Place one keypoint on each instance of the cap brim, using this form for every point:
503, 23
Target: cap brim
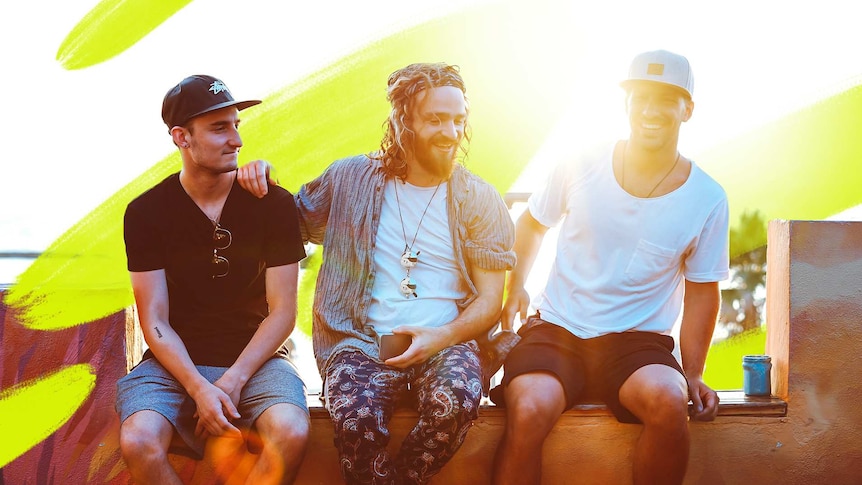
628, 83
240, 105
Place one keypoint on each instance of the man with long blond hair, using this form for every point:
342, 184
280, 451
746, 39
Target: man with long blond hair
415, 251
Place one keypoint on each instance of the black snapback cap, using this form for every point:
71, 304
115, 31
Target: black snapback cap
196, 95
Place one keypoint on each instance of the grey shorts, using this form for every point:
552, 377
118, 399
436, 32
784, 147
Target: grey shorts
149, 386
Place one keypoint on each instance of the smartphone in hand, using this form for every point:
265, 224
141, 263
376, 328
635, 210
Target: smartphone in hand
393, 344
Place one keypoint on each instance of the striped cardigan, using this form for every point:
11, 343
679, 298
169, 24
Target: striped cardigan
340, 209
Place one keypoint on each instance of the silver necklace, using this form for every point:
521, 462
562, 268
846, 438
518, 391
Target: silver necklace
408, 257
625, 148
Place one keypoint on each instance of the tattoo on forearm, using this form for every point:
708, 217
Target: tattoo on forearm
158, 332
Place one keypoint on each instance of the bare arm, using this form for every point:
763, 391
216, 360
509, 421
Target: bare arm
477, 318
700, 311
214, 407
528, 238
281, 283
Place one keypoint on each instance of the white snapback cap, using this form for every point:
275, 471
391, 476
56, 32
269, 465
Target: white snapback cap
662, 67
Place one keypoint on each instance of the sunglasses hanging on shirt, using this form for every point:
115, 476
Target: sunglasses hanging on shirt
221, 241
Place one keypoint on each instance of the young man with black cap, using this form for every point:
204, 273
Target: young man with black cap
644, 233
214, 273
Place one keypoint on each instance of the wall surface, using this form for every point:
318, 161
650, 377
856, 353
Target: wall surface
814, 336
84, 450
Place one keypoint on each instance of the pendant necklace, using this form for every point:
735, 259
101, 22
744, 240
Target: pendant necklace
623, 176
409, 258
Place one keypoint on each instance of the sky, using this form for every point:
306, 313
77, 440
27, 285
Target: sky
73, 138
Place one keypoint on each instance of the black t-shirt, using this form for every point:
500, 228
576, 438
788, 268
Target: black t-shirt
215, 317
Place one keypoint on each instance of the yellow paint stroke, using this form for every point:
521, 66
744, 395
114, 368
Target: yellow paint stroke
802, 166
33, 410
111, 27
723, 369
334, 113
307, 281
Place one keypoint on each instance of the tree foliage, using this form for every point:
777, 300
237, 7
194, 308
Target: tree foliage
743, 299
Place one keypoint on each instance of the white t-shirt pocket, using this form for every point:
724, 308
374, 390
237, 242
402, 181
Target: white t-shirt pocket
649, 262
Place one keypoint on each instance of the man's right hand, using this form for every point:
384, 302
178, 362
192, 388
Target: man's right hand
517, 303
214, 411
253, 177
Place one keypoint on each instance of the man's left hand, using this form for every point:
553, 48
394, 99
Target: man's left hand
231, 387
703, 399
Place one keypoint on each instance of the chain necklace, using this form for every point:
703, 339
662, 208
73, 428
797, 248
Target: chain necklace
625, 148
408, 257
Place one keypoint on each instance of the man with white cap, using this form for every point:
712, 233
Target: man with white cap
643, 237
214, 273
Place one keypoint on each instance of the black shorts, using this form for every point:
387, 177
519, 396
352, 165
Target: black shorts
588, 369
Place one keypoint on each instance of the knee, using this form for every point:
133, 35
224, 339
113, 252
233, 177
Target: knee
363, 431
140, 443
295, 433
468, 396
459, 418
357, 430
453, 406
530, 415
665, 406
285, 428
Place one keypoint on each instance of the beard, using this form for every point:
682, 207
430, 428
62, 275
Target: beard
437, 162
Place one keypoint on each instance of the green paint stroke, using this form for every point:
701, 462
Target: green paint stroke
723, 370
81, 277
335, 113
307, 281
803, 166
111, 27
33, 410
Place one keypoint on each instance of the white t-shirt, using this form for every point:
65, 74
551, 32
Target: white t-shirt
621, 260
436, 275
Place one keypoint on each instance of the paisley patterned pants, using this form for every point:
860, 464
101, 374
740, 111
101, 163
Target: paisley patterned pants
362, 395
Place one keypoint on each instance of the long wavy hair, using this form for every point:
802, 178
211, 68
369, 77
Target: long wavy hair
403, 87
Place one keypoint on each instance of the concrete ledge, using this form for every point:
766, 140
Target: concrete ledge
731, 403
321, 462
587, 441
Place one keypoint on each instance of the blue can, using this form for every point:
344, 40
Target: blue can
756, 379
